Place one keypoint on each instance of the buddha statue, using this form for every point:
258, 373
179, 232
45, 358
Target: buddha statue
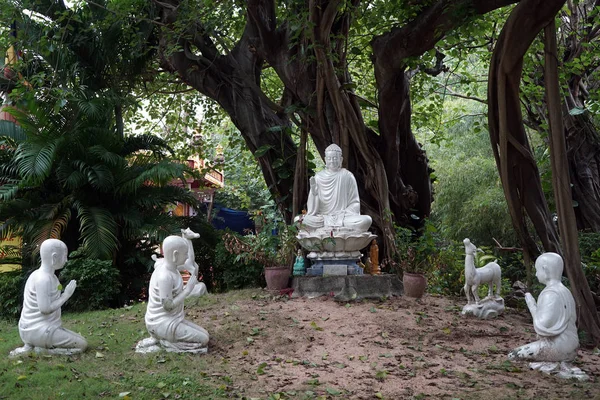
40, 324
333, 200
332, 230
554, 317
165, 317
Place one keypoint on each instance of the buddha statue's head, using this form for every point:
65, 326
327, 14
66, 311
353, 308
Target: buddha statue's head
333, 157
53, 253
549, 266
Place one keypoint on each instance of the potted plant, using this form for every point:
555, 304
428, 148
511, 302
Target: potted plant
413, 276
414, 257
274, 247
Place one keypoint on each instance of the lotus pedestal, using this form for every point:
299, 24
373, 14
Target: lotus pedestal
334, 251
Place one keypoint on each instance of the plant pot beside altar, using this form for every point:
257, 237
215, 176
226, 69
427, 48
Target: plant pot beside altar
277, 278
274, 247
415, 284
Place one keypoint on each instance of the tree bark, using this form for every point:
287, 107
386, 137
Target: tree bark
516, 164
587, 317
579, 28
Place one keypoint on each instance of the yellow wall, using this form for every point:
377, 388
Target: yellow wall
13, 241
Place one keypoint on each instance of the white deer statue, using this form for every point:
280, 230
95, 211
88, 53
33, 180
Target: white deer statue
474, 277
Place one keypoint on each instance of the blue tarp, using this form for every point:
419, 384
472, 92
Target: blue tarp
236, 220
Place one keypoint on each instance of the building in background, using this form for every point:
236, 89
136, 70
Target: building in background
204, 188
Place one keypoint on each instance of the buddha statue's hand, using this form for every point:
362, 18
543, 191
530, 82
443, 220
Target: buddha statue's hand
70, 289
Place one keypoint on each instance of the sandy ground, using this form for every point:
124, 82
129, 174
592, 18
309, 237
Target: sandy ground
399, 348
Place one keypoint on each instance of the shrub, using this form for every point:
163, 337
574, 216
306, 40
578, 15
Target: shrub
236, 272
98, 283
218, 269
11, 294
447, 275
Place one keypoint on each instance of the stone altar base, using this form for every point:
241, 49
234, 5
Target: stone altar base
349, 287
334, 267
487, 308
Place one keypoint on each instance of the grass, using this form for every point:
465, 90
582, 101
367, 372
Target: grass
110, 368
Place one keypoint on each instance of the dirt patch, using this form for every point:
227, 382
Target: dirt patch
395, 349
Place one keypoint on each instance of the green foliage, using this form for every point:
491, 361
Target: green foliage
448, 276
589, 246
98, 283
416, 251
234, 273
273, 246
469, 201
11, 294
245, 187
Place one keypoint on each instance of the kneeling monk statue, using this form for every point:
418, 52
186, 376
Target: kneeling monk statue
554, 317
165, 318
40, 323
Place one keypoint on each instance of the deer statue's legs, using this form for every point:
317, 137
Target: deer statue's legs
475, 293
468, 293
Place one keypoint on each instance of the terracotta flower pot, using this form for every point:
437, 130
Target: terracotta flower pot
414, 284
277, 277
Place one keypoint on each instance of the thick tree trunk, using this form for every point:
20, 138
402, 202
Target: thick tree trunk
587, 317
583, 151
583, 148
518, 169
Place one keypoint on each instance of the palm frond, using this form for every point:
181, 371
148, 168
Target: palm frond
35, 159
139, 143
98, 231
9, 251
72, 179
160, 196
8, 230
110, 158
59, 225
9, 189
139, 175
43, 231
100, 177
92, 107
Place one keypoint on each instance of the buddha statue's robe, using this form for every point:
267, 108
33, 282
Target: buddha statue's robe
336, 203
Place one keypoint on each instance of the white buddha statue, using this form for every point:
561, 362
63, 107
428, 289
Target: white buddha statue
40, 323
333, 231
165, 318
333, 200
554, 317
